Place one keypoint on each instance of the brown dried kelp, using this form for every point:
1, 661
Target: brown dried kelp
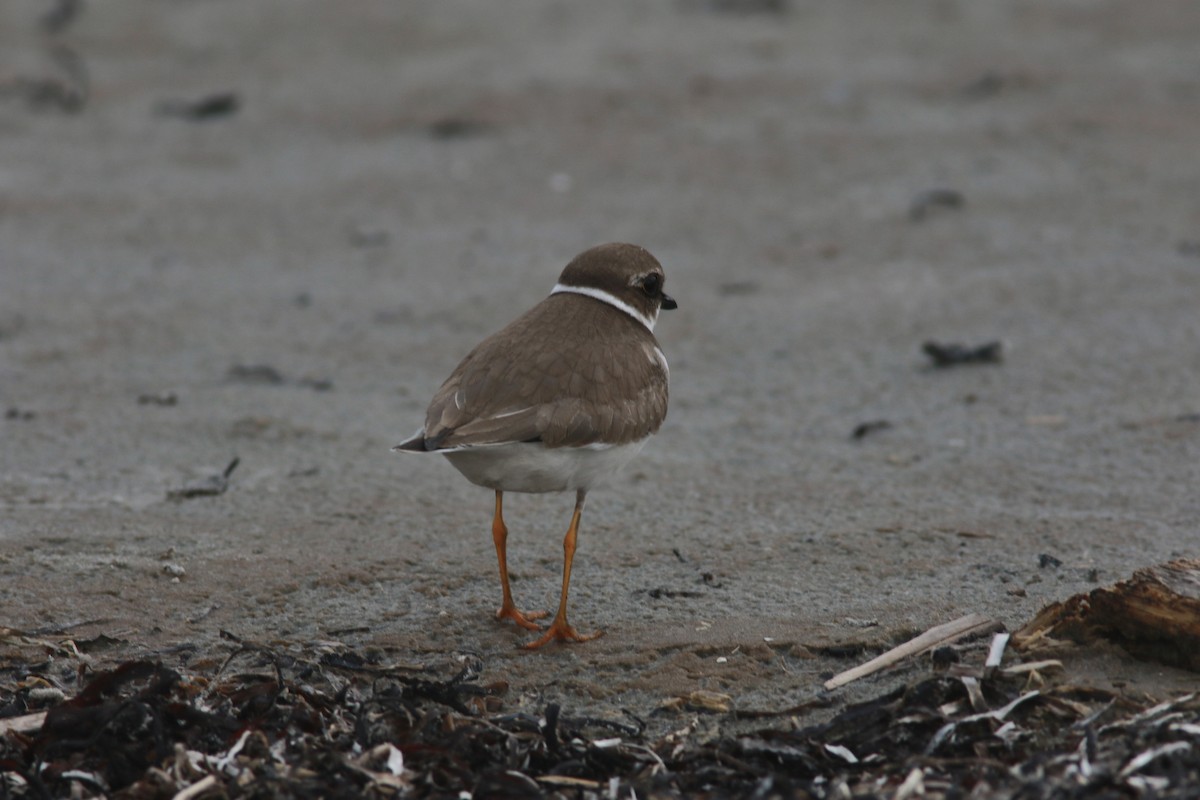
323, 720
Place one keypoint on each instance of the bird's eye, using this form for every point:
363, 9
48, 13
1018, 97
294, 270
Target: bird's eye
652, 285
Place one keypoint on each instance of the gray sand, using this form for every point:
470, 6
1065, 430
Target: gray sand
401, 181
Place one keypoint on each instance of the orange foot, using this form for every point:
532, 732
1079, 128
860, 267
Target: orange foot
561, 631
524, 620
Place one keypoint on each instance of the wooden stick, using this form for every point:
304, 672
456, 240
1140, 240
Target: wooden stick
1032, 666
198, 788
971, 623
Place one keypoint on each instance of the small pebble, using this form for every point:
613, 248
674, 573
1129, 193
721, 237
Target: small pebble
1046, 560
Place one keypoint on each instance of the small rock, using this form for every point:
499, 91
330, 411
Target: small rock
1046, 560
952, 355
212, 106
864, 429
254, 373
160, 399
925, 202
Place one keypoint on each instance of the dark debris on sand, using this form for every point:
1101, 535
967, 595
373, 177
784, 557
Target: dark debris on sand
325, 720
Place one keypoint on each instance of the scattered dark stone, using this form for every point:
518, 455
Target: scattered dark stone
254, 373
660, 592
160, 399
994, 83
304, 472
211, 486
707, 578
930, 200
864, 429
21, 414
209, 107
1045, 560
457, 128
954, 354
266, 375
316, 384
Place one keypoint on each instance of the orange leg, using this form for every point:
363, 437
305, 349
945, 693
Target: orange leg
560, 630
508, 609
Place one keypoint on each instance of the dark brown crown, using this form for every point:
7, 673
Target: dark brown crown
625, 271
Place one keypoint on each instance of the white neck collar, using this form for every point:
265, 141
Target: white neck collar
612, 300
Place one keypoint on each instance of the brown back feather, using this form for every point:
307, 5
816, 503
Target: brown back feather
516, 386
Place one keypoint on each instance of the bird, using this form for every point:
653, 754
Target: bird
559, 400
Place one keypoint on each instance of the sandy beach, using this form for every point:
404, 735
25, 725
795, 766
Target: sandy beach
268, 231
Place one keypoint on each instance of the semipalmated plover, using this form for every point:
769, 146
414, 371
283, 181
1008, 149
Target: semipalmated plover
560, 399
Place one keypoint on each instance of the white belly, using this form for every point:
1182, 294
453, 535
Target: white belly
530, 467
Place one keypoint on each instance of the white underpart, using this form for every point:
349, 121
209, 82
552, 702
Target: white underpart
612, 300
533, 467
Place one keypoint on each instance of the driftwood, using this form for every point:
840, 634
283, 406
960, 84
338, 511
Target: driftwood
942, 634
1155, 615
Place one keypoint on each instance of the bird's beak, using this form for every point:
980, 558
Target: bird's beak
668, 302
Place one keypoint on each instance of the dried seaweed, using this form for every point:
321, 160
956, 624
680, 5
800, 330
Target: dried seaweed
209, 486
326, 721
1154, 615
